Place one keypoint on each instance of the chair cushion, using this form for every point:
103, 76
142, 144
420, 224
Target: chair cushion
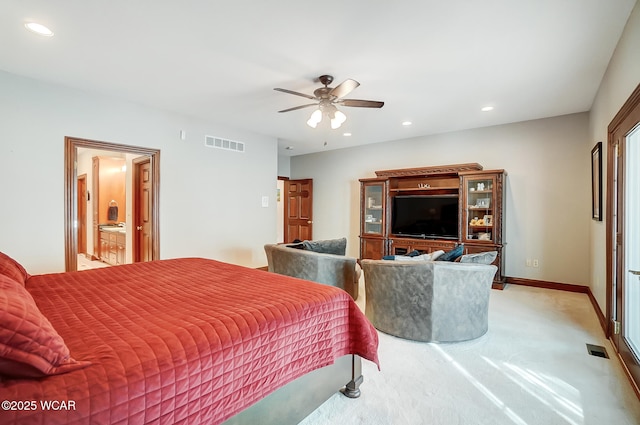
480, 258
328, 246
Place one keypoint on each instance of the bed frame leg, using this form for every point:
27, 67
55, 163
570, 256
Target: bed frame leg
352, 389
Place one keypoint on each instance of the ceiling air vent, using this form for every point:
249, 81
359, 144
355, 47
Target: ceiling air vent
226, 144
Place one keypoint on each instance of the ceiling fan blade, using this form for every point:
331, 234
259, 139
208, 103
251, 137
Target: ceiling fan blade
362, 103
308, 96
344, 88
299, 107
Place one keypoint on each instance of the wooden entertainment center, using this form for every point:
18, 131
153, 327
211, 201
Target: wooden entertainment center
479, 195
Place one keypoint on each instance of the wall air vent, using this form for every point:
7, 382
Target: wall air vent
220, 143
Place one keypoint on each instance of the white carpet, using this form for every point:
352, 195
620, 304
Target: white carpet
532, 367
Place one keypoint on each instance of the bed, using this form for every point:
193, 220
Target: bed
187, 340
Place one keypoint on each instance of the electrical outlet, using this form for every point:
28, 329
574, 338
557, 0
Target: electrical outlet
528, 262
535, 262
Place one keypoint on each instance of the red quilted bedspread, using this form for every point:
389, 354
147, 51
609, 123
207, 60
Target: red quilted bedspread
183, 341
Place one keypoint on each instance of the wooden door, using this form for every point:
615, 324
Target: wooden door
143, 201
628, 274
95, 200
623, 235
82, 214
298, 207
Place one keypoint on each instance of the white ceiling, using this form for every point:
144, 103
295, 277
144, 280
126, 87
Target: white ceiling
433, 62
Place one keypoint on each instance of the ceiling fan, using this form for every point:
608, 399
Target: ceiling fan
327, 98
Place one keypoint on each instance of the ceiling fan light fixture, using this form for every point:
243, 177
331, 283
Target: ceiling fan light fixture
315, 118
338, 119
327, 98
317, 115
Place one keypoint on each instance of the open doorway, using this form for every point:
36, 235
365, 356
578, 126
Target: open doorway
74, 197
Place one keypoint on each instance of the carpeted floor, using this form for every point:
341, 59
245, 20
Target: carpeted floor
532, 367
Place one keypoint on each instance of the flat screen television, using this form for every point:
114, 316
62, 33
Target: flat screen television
428, 217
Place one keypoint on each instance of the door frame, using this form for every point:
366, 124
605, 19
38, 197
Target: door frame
280, 211
71, 145
622, 122
81, 228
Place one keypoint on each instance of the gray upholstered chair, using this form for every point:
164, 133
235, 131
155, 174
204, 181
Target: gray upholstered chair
331, 269
434, 301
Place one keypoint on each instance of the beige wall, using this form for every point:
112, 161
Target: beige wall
548, 214
621, 78
207, 207
204, 213
548, 188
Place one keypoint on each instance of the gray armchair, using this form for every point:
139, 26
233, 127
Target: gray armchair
435, 301
331, 269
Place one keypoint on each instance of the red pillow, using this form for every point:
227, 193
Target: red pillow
29, 346
11, 268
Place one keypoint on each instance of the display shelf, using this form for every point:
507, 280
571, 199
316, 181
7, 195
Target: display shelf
373, 202
483, 205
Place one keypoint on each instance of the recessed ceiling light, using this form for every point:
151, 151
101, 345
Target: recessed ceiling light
487, 109
38, 29
406, 123
346, 134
